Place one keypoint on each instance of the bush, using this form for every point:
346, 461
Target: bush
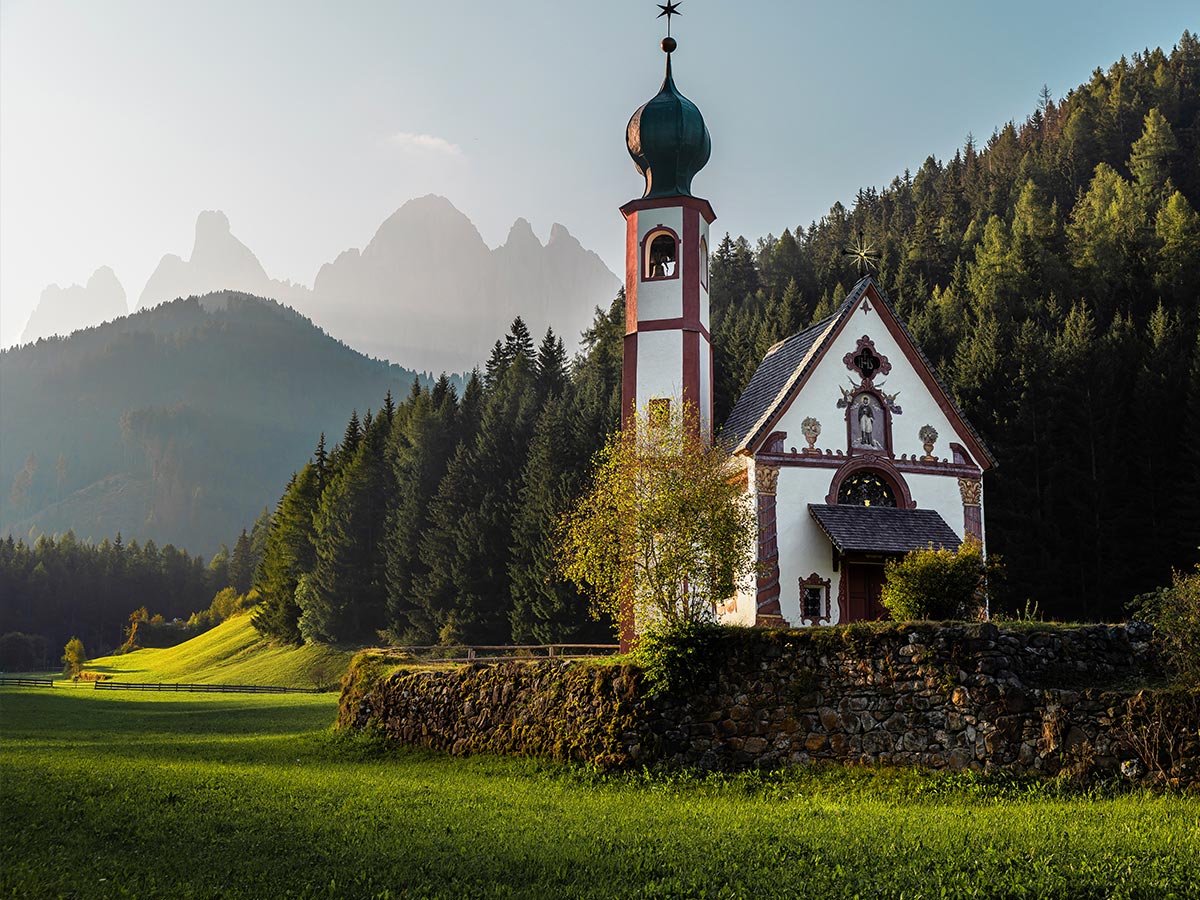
1175, 614
74, 658
225, 603
935, 584
683, 657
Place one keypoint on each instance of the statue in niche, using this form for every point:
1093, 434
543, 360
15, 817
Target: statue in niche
867, 423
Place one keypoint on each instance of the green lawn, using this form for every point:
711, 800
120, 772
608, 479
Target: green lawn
130, 795
231, 653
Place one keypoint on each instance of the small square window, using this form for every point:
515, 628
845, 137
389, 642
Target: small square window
812, 602
814, 599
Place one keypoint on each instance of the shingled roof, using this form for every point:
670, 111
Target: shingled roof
789, 362
783, 365
881, 529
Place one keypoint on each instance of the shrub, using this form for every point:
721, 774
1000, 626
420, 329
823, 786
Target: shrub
74, 658
935, 583
683, 657
1174, 612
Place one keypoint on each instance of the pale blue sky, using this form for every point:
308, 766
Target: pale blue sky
309, 122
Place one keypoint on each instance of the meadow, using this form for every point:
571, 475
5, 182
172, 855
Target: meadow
230, 653
114, 794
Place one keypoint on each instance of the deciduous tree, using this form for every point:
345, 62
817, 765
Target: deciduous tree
665, 529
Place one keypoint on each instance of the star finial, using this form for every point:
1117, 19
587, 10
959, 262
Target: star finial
863, 253
669, 9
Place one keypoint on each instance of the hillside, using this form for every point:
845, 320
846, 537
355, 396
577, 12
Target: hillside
178, 423
231, 653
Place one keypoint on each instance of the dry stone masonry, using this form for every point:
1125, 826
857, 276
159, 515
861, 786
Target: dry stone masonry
1043, 700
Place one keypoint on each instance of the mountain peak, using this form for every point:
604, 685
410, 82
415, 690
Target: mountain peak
105, 279
521, 235
219, 261
559, 234
64, 310
212, 222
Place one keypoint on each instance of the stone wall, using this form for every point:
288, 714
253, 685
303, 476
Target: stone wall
1040, 700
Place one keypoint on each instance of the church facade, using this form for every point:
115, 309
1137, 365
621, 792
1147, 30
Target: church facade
854, 453
851, 449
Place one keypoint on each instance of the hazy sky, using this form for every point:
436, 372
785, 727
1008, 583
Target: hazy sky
308, 123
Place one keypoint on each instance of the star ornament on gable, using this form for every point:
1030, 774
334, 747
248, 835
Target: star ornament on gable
669, 9
865, 257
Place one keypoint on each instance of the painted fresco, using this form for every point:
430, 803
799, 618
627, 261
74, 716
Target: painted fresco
868, 423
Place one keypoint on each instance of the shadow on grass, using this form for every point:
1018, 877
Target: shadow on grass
62, 715
112, 670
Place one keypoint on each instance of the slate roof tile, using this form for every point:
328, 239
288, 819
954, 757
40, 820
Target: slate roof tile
881, 529
783, 364
789, 361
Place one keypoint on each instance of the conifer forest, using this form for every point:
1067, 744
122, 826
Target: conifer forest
1050, 273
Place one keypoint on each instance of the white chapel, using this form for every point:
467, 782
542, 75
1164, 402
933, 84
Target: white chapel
851, 448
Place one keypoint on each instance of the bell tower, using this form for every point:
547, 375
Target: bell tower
668, 351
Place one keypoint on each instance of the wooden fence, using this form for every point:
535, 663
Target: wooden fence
201, 688
495, 652
27, 682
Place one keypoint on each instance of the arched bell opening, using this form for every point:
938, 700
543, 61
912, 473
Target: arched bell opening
660, 255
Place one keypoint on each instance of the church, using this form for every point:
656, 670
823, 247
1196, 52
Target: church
850, 447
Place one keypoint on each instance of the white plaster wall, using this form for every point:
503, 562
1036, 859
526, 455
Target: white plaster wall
939, 492
660, 367
705, 381
660, 299
747, 593
803, 547
822, 392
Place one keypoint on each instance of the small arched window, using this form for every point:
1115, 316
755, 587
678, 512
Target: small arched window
662, 255
865, 488
704, 263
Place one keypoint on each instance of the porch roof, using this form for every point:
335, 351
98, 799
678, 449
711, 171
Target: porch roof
881, 529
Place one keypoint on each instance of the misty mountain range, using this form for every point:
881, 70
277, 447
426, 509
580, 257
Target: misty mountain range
426, 292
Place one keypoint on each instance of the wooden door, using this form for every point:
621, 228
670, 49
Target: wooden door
863, 589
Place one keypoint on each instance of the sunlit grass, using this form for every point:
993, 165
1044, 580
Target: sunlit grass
123, 795
231, 653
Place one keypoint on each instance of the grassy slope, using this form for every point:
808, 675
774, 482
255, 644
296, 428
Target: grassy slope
231, 653
203, 796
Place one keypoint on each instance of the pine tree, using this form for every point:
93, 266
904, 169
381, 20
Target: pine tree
550, 369
1152, 155
547, 608
289, 554
423, 448
241, 564
348, 597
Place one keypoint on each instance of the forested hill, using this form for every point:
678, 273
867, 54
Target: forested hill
178, 423
1052, 275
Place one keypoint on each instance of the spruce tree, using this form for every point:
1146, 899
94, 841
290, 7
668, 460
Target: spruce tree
423, 448
348, 597
289, 554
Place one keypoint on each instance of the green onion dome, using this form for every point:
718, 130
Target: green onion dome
667, 139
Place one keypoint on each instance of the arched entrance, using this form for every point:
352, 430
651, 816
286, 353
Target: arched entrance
874, 483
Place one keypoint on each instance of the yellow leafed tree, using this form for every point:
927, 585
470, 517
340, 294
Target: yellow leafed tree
665, 529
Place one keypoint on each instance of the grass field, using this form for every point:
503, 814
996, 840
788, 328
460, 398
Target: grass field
231, 653
129, 795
